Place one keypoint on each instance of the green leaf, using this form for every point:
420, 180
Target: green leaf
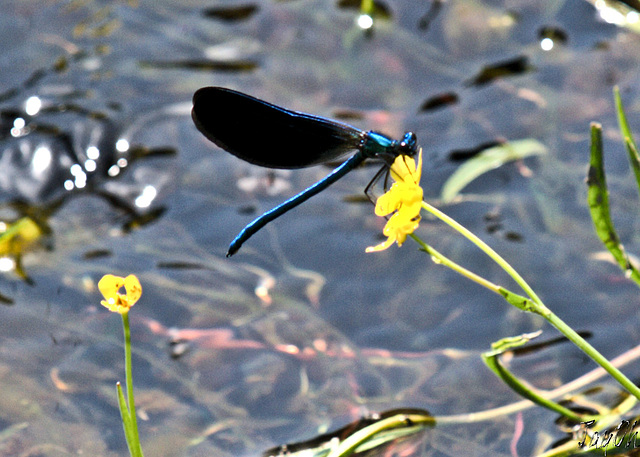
361, 435
126, 418
492, 360
509, 343
488, 160
634, 159
519, 301
359, 439
598, 198
630, 145
622, 117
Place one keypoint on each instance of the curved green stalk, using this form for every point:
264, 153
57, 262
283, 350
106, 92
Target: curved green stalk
134, 447
492, 360
350, 444
440, 259
535, 305
484, 247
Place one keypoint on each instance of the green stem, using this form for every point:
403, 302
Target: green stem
516, 300
484, 247
493, 362
135, 447
440, 259
538, 306
576, 339
350, 444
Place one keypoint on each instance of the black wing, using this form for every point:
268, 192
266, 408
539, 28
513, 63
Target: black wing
268, 135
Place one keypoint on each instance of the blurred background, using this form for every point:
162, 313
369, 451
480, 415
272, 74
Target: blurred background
302, 331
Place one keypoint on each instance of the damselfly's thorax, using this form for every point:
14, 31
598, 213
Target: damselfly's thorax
380, 147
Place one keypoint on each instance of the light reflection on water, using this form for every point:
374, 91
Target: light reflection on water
302, 331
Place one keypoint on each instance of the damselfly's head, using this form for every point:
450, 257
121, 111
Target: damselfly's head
408, 146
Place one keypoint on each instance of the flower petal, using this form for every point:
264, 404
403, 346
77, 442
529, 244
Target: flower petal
382, 246
403, 201
388, 203
133, 288
110, 286
404, 169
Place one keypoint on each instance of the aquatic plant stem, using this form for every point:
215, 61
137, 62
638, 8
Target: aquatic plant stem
576, 339
440, 259
536, 305
350, 444
484, 247
134, 447
492, 360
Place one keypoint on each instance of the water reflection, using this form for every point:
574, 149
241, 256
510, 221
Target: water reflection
52, 151
7, 264
511, 67
147, 196
398, 302
32, 105
364, 21
619, 13
550, 36
42, 159
231, 13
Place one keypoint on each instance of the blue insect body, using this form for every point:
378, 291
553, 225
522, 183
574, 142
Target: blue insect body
264, 134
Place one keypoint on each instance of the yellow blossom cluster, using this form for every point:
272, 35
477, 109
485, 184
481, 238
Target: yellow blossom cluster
403, 201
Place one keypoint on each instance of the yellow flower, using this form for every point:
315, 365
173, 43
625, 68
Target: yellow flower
403, 201
110, 286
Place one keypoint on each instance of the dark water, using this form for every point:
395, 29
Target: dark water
260, 371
